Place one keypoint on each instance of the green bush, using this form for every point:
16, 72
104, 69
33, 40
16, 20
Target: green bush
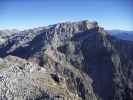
45, 59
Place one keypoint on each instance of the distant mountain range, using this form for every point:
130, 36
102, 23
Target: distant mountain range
66, 61
5, 34
125, 35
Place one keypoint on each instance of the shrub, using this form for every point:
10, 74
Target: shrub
43, 60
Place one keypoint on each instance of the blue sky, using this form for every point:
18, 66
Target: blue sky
24, 14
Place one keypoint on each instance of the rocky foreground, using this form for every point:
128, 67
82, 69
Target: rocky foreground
66, 61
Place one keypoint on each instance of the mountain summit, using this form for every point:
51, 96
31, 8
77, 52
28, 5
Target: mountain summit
66, 61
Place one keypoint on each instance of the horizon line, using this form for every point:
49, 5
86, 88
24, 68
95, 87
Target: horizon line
28, 27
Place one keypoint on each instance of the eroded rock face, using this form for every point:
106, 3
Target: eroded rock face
55, 35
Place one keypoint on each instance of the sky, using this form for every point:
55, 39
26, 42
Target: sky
24, 14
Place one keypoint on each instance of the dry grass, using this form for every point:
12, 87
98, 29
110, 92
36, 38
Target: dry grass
2, 66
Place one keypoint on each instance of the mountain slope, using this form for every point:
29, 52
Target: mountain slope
124, 35
25, 80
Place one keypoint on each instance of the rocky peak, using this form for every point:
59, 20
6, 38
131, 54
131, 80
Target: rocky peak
89, 25
76, 26
54, 35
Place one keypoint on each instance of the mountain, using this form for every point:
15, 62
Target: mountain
5, 34
124, 35
67, 61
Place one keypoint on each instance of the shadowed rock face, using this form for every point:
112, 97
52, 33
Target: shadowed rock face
88, 63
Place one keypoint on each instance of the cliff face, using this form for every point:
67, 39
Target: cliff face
82, 60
